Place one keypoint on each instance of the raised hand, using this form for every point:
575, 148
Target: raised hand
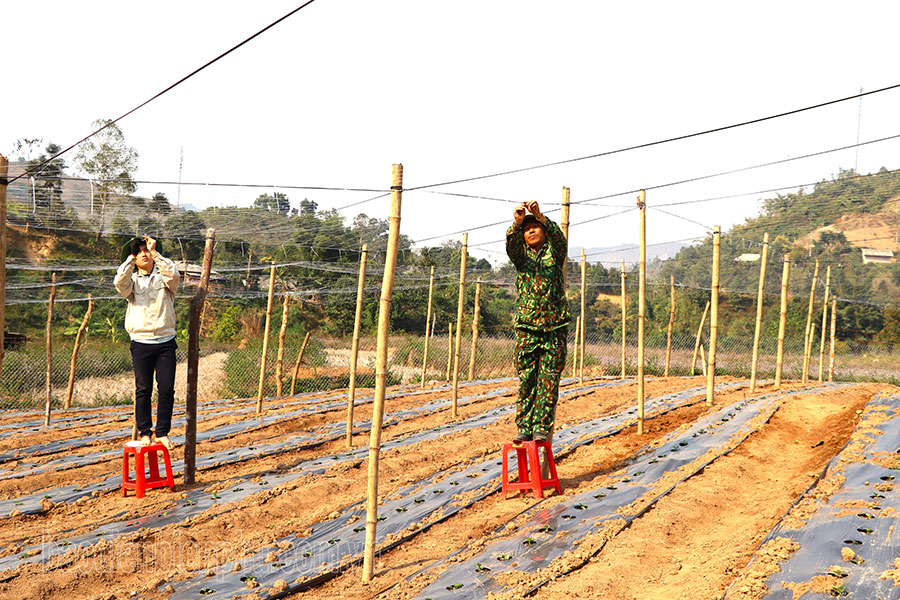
151, 243
519, 214
533, 207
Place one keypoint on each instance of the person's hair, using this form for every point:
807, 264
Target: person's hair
135, 245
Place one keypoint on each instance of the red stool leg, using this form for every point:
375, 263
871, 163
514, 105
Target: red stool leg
505, 469
139, 472
535, 461
154, 466
522, 457
551, 464
125, 472
170, 479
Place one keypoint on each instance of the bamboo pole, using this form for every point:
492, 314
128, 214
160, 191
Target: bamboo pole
459, 317
564, 227
575, 350
84, 322
622, 376
671, 324
642, 299
49, 382
384, 322
713, 319
782, 320
265, 348
4, 175
475, 316
833, 331
427, 324
807, 340
824, 322
759, 302
703, 360
299, 359
449, 350
354, 352
190, 402
279, 360
697, 342
583, 319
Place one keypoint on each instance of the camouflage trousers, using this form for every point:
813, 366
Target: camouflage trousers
540, 359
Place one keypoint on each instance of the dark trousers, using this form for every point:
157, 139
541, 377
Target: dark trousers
147, 359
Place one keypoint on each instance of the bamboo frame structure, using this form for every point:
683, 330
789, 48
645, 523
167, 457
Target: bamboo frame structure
583, 319
265, 348
297, 364
671, 324
476, 313
381, 354
824, 322
564, 227
70, 388
622, 376
575, 349
703, 360
713, 318
449, 350
428, 328
697, 341
48, 383
354, 351
279, 358
4, 175
460, 309
782, 319
833, 331
759, 302
807, 340
642, 300
190, 403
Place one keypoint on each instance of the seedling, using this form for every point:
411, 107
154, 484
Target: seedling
504, 557
454, 586
529, 542
480, 568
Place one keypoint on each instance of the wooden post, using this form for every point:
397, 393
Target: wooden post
782, 320
703, 360
297, 365
279, 360
833, 331
697, 342
193, 360
265, 348
4, 175
583, 316
354, 352
824, 322
49, 383
759, 302
459, 318
622, 376
807, 340
642, 300
427, 325
84, 322
671, 324
384, 322
575, 350
475, 315
713, 319
564, 227
449, 350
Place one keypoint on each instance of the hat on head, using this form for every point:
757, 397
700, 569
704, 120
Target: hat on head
528, 217
138, 241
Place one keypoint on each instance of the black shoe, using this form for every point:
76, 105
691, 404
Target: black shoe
522, 437
539, 437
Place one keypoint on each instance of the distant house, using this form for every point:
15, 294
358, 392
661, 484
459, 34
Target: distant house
872, 255
747, 258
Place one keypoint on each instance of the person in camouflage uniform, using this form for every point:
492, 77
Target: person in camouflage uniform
537, 248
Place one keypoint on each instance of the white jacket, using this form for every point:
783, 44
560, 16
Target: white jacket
151, 298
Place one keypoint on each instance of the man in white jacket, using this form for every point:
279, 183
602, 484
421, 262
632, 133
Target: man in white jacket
150, 321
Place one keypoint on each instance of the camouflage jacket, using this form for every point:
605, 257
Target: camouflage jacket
541, 303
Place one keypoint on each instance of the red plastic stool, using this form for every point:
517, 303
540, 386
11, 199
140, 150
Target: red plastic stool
530, 469
141, 482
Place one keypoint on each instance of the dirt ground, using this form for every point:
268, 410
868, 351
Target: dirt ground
692, 544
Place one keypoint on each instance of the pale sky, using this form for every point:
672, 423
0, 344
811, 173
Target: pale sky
344, 88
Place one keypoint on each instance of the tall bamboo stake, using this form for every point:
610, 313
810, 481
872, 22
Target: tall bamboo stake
459, 317
807, 340
449, 350
583, 319
384, 322
4, 175
475, 315
671, 324
697, 342
564, 227
279, 360
713, 320
622, 376
427, 324
833, 331
782, 320
297, 364
575, 350
759, 302
824, 322
193, 374
642, 282
84, 322
49, 383
265, 348
354, 352
703, 360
